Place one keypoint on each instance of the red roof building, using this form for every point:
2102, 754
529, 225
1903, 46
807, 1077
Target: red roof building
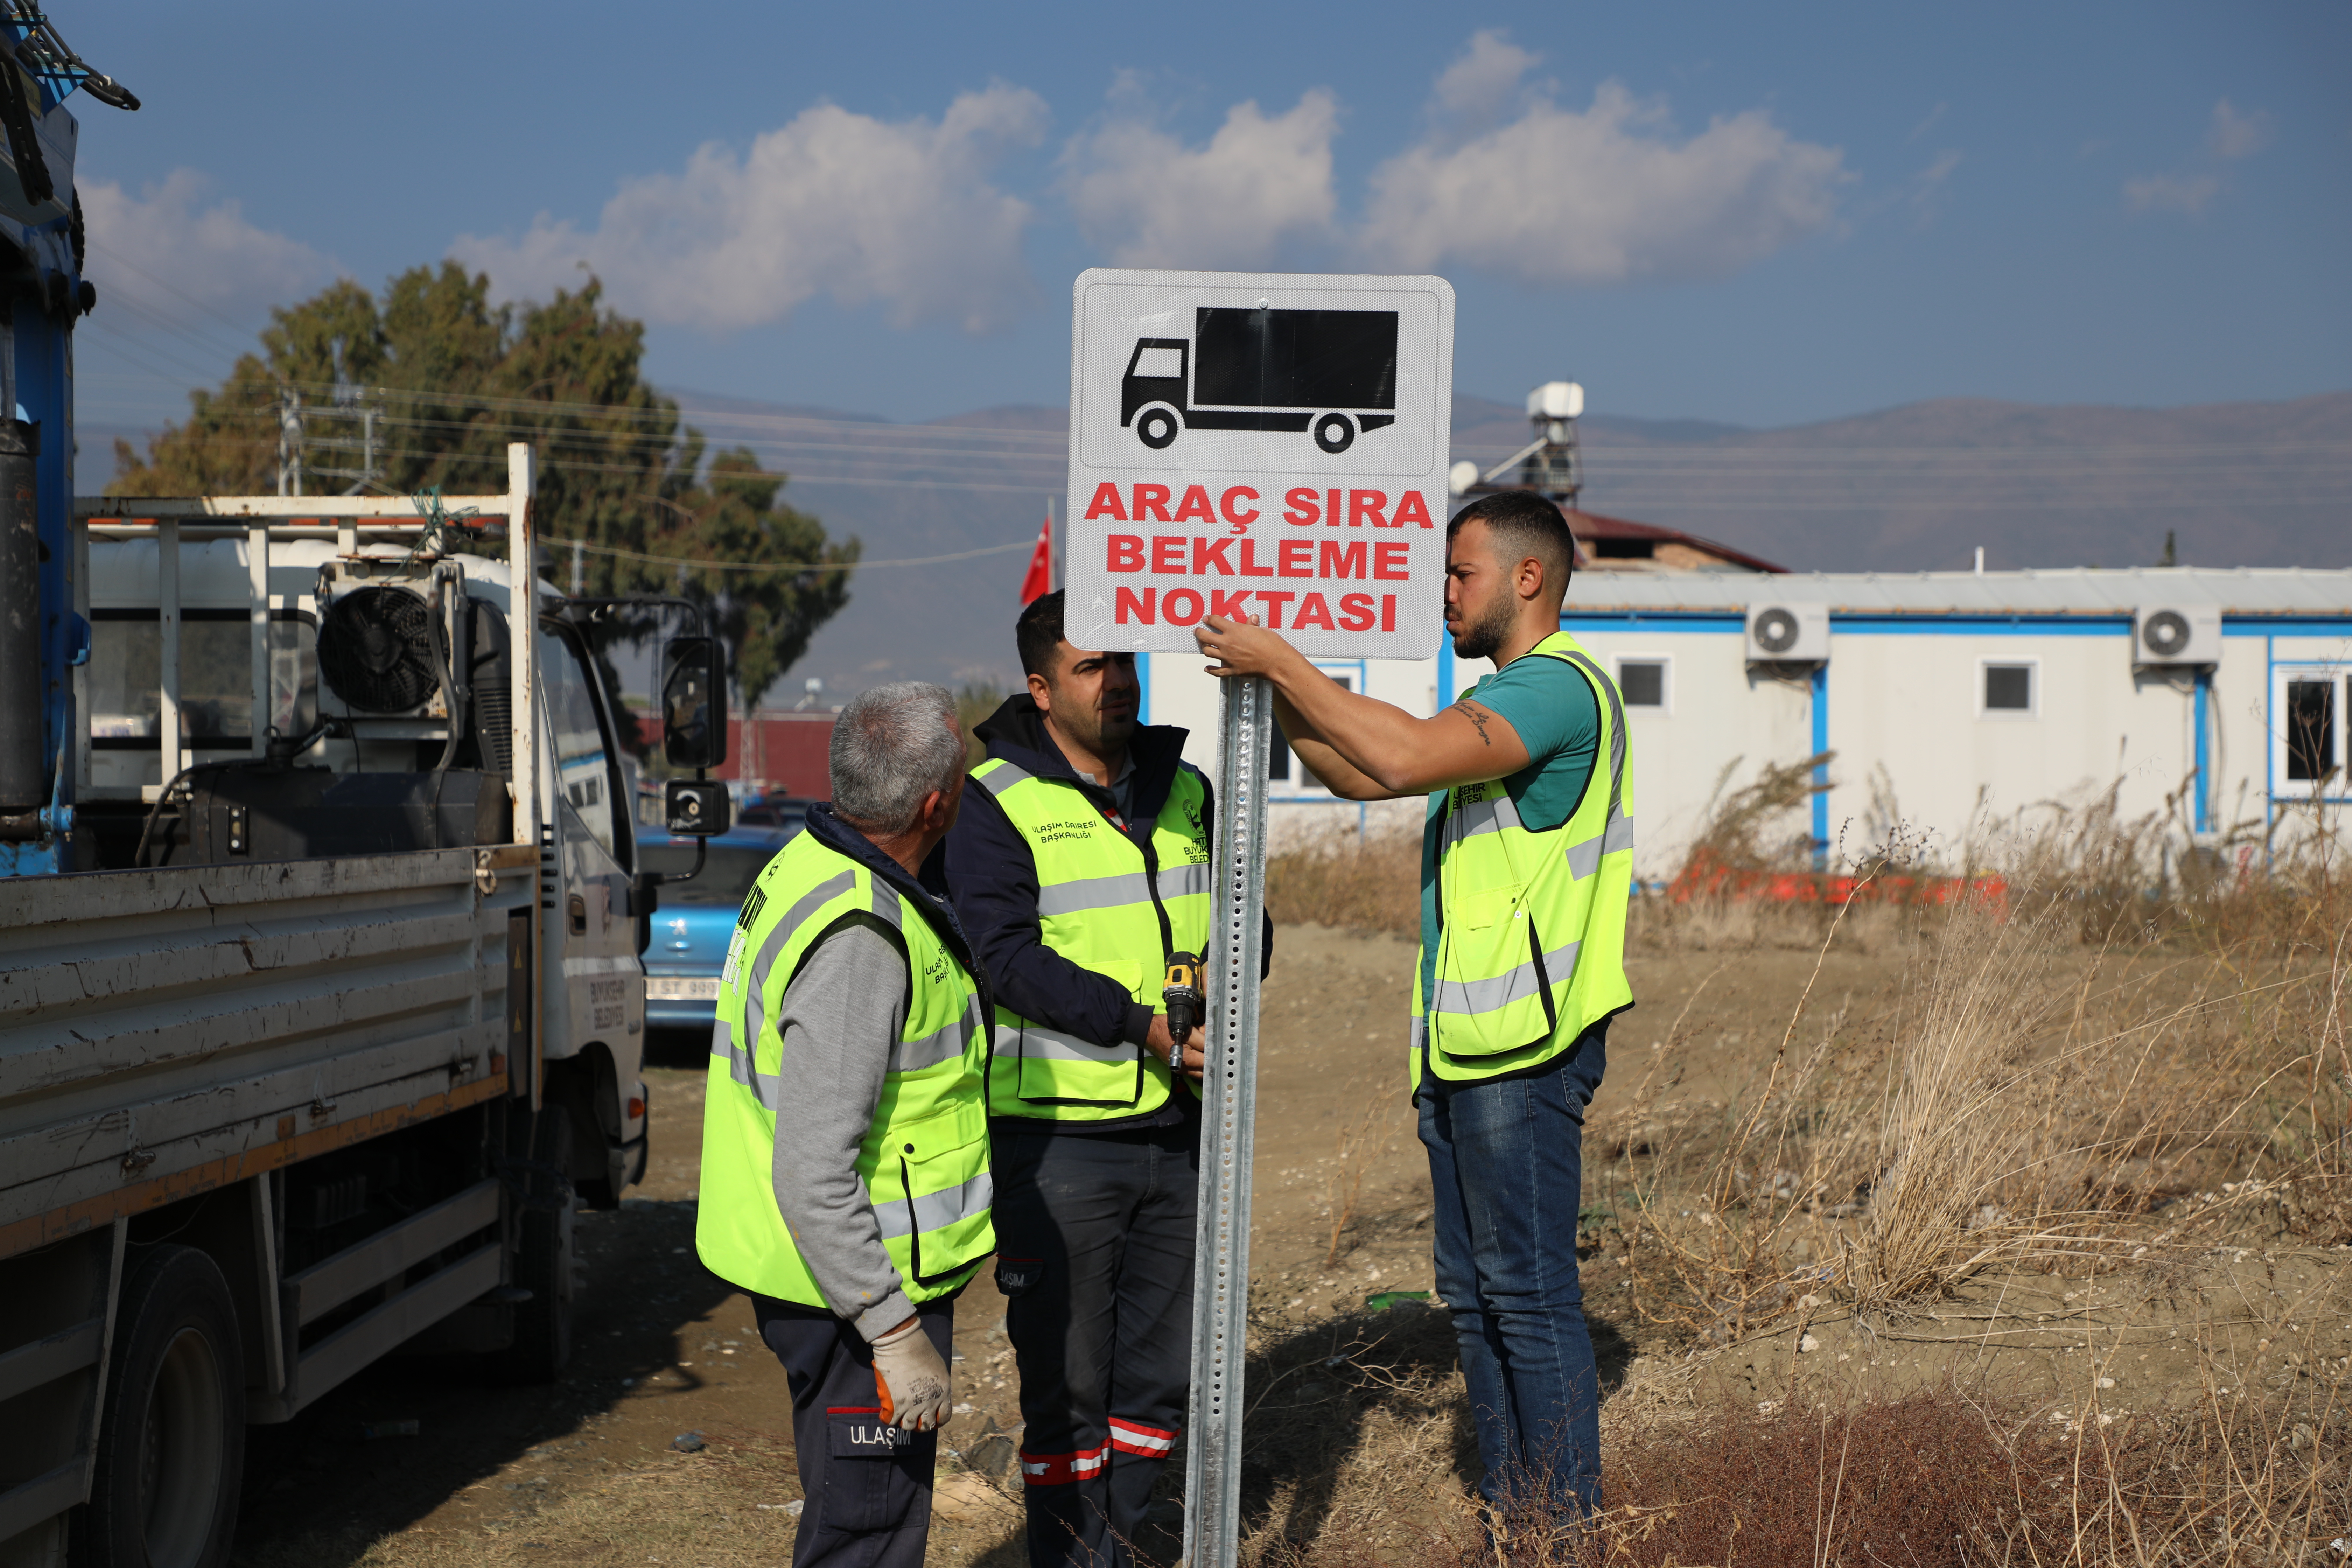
1616, 544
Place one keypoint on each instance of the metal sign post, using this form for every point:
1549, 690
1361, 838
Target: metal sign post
1228, 1125
1271, 445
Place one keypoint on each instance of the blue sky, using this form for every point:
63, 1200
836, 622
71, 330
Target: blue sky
1762, 214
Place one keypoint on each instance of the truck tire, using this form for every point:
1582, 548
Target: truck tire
170, 1443
543, 1260
1335, 432
1156, 427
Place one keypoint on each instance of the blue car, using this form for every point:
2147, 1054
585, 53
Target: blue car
695, 919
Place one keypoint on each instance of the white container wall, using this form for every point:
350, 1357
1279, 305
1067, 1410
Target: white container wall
1956, 703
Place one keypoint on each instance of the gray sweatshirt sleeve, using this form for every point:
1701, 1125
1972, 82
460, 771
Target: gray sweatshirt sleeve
839, 1019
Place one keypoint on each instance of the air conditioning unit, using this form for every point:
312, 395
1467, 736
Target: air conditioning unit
2175, 634
1789, 634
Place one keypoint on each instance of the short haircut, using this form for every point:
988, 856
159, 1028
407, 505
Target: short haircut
892, 745
1523, 523
1038, 634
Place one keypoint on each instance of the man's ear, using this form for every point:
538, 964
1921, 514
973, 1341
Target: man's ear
1531, 578
1041, 691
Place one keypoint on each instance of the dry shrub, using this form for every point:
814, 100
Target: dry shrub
1931, 1477
2023, 1099
1747, 828
1368, 882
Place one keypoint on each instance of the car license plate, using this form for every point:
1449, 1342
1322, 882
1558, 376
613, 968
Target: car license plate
676, 990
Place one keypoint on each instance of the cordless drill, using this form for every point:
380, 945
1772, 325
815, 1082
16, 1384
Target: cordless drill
1182, 996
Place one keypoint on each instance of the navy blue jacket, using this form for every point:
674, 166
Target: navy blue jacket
992, 875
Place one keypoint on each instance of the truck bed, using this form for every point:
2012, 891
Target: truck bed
166, 1032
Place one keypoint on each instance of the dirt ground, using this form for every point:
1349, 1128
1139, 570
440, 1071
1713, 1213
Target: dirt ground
585, 1471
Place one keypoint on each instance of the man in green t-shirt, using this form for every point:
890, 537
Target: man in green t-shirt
1527, 863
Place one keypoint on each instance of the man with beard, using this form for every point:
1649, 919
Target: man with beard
1526, 869
1080, 866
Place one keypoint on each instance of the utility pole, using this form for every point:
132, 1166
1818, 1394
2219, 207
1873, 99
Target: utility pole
289, 441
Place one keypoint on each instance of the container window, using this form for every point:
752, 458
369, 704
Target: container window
2009, 687
2310, 730
1641, 682
1278, 761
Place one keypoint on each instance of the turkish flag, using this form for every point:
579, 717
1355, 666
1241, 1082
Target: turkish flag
1039, 579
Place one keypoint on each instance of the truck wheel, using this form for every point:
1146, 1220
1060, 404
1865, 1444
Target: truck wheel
1334, 432
171, 1447
543, 1262
1156, 427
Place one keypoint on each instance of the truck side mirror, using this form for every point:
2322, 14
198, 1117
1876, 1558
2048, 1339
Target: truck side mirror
697, 808
694, 703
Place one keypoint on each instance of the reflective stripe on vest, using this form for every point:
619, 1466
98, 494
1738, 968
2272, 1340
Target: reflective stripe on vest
1100, 904
1532, 936
923, 1162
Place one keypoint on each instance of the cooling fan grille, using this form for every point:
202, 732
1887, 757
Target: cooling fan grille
375, 650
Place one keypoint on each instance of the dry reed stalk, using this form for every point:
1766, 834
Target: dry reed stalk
1346, 1182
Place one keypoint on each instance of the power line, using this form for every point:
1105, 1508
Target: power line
786, 566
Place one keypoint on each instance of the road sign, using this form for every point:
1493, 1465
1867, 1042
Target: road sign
1270, 445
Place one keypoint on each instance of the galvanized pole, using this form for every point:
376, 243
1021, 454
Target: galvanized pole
1229, 1114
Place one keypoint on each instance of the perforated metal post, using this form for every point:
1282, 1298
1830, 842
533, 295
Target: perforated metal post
1229, 1114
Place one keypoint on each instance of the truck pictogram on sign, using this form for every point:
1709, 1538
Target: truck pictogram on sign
1329, 373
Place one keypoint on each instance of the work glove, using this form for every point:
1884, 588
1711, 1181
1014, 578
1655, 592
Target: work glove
911, 1379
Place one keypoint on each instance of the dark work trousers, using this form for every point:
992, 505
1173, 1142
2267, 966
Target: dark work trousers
1505, 1168
867, 1487
1095, 1238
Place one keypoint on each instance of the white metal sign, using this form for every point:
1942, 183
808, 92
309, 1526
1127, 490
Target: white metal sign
1264, 445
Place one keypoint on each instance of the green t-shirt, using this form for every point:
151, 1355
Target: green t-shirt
1552, 706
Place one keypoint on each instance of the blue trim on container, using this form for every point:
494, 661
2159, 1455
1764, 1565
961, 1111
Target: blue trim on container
1820, 774
2202, 810
1982, 625
1656, 620
2270, 718
1143, 688
1884, 623
2275, 627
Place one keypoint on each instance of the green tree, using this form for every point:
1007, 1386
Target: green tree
456, 378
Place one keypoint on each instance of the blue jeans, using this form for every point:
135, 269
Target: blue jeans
1506, 1166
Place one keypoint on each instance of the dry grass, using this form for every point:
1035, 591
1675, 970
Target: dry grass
1371, 883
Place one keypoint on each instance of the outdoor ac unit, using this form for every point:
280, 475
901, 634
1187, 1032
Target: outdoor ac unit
2173, 635
1789, 634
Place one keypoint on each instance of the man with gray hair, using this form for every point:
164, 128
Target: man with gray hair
846, 1183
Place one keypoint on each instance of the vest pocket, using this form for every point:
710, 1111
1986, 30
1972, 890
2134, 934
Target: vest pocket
943, 1184
1494, 993
1125, 973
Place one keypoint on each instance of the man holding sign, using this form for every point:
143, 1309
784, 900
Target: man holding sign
1527, 868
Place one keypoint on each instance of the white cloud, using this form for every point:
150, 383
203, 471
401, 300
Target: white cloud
1558, 195
2229, 136
1486, 79
1928, 187
2184, 193
897, 213
206, 249
2236, 135
1260, 181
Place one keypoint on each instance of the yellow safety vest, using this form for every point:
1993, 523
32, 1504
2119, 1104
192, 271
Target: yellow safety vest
1532, 926
1108, 904
924, 1160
